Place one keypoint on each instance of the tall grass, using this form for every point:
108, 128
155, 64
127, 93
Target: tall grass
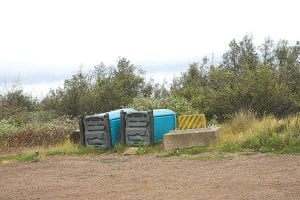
36, 132
266, 134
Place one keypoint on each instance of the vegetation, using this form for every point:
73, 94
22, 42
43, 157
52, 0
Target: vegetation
67, 148
267, 134
245, 133
264, 79
178, 104
35, 132
254, 91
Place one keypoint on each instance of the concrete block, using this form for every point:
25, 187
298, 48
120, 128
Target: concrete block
189, 138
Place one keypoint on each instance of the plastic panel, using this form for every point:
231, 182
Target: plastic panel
137, 128
95, 131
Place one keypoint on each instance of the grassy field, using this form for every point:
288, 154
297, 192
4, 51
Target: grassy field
245, 134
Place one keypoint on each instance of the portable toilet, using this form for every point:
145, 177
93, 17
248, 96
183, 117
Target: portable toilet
101, 130
147, 127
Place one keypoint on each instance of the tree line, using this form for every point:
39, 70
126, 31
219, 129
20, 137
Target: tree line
263, 79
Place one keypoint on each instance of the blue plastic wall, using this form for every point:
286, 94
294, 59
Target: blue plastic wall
114, 120
164, 122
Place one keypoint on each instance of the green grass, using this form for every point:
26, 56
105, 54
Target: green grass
25, 157
267, 134
230, 148
119, 148
245, 135
68, 148
22, 157
157, 148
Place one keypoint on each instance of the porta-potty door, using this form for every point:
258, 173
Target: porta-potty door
138, 127
96, 131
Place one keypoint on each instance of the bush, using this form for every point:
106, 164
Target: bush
36, 133
179, 105
7, 127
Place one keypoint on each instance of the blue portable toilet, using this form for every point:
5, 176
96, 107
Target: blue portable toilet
147, 127
101, 130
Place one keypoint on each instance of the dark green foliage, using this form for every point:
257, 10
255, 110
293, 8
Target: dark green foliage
178, 104
15, 102
102, 90
264, 79
266, 83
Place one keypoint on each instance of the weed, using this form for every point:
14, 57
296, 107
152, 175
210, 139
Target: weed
143, 149
31, 156
119, 148
231, 148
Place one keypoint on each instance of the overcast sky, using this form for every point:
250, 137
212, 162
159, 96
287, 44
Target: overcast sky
43, 42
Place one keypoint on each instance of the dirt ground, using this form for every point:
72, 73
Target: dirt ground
259, 176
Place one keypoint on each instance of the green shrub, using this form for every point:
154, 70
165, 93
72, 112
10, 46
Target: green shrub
179, 105
7, 127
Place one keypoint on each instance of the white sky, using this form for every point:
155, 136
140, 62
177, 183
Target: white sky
43, 42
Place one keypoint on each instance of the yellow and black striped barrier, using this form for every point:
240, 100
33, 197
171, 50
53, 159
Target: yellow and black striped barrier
191, 121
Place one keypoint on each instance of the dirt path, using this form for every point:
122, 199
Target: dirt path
147, 177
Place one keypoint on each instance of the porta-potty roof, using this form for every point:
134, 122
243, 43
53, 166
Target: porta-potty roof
163, 112
115, 114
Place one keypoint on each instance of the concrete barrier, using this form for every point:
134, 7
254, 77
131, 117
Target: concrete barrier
189, 138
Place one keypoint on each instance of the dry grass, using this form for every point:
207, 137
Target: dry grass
267, 134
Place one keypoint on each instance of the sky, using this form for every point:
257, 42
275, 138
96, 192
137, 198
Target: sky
44, 42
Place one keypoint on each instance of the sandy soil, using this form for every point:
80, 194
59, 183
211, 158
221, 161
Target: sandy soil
258, 176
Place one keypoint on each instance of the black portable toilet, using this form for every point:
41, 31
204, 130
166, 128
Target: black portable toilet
146, 127
100, 130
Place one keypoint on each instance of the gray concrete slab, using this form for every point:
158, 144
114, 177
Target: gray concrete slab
191, 137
